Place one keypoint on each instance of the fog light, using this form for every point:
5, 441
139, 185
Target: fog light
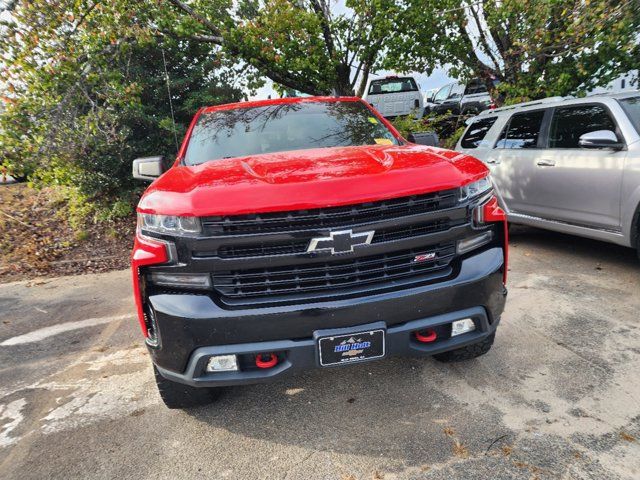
222, 363
462, 326
192, 280
468, 244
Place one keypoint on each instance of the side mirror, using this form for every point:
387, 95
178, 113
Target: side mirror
600, 139
148, 168
430, 139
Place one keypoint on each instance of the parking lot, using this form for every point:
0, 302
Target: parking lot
558, 396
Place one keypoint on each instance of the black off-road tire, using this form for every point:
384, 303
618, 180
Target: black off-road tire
467, 353
177, 395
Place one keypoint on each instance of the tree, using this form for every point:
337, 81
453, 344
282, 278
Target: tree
536, 48
299, 44
89, 92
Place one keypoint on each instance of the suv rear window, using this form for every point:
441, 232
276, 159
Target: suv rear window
393, 85
476, 132
522, 131
569, 123
475, 87
632, 107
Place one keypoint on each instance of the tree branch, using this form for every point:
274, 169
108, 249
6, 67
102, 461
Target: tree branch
196, 16
323, 12
208, 39
83, 17
483, 38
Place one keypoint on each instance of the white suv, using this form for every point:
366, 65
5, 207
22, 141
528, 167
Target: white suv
395, 96
565, 164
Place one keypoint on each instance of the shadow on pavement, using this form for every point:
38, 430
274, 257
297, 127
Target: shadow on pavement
394, 408
571, 245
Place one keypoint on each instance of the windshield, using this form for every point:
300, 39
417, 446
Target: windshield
393, 85
249, 131
632, 107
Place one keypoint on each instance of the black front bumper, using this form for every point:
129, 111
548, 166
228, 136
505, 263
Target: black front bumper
193, 327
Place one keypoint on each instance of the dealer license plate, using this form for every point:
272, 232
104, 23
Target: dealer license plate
353, 347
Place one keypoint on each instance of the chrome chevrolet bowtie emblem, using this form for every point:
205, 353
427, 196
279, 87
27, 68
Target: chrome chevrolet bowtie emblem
343, 241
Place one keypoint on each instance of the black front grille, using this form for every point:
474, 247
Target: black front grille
331, 217
262, 259
259, 250
336, 274
300, 246
415, 230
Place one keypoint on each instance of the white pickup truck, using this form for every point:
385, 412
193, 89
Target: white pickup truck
395, 96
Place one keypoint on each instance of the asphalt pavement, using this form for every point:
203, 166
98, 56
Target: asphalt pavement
558, 396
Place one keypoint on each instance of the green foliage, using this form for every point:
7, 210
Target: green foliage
82, 235
536, 48
88, 94
75, 207
303, 45
448, 127
407, 124
121, 209
450, 141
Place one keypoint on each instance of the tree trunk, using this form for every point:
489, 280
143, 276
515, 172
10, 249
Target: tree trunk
343, 82
364, 79
489, 77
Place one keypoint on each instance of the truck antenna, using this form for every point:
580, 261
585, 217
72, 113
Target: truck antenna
173, 117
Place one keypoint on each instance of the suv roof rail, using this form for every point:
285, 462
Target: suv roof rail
542, 101
612, 93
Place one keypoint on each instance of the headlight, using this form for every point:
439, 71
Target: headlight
475, 189
169, 223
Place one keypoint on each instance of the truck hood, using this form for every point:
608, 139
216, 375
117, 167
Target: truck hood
304, 179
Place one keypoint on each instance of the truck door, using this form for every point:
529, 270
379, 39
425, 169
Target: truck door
513, 161
573, 184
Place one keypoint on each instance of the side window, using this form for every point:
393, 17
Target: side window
569, 123
456, 91
475, 87
522, 131
476, 132
442, 94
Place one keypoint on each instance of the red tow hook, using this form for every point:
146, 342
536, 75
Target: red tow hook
266, 360
426, 336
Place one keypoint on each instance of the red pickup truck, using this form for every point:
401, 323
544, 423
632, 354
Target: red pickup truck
306, 232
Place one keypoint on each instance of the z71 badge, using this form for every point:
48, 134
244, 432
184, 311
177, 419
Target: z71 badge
425, 257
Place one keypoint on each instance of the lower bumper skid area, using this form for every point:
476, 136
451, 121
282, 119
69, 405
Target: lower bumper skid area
277, 358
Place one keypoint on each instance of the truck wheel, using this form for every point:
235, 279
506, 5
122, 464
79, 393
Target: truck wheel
177, 395
467, 353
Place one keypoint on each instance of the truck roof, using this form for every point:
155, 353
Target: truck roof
550, 101
278, 101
